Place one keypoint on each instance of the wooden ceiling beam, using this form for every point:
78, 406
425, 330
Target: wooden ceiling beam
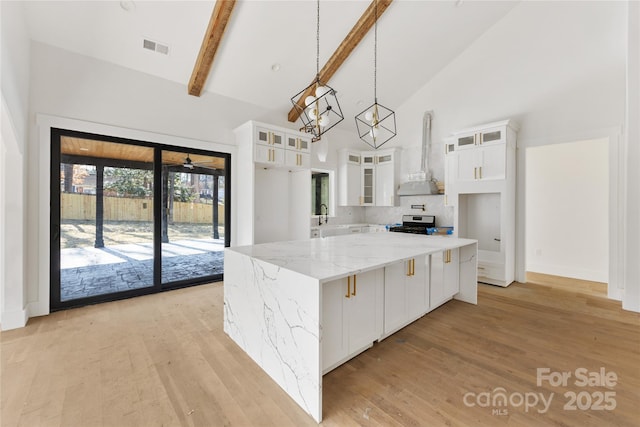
212, 38
355, 36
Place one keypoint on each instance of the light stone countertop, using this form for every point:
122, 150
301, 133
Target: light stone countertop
330, 258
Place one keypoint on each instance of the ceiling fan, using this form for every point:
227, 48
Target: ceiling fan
189, 164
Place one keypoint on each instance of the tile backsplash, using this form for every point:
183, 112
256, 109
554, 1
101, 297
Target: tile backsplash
434, 205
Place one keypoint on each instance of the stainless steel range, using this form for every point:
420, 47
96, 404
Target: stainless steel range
415, 224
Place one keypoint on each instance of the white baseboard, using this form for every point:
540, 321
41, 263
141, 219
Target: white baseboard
572, 272
14, 319
37, 308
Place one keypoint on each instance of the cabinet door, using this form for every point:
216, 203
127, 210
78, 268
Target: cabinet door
418, 288
492, 136
436, 288
349, 179
384, 181
367, 182
269, 137
492, 162
297, 160
362, 311
467, 165
268, 155
395, 295
466, 141
451, 273
298, 143
450, 177
334, 323
445, 276
353, 184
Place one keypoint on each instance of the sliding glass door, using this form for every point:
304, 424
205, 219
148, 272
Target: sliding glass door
193, 216
130, 218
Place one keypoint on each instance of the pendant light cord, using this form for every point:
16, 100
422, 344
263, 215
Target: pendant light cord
375, 54
318, 41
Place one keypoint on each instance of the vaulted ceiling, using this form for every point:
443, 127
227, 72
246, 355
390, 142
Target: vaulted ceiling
268, 51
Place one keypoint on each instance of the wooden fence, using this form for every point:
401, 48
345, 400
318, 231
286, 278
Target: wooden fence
83, 207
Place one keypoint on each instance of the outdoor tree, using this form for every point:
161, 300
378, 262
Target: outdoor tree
127, 182
138, 183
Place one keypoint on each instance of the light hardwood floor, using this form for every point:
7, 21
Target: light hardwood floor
163, 360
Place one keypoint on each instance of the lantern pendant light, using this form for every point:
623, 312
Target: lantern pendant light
320, 110
377, 124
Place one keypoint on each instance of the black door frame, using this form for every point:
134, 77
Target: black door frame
54, 262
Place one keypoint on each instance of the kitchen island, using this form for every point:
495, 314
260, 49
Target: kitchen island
302, 308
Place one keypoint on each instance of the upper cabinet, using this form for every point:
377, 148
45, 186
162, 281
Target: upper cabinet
269, 137
368, 178
278, 148
481, 153
298, 143
349, 171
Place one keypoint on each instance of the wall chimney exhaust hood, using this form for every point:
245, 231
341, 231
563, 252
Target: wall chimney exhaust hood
421, 183
417, 188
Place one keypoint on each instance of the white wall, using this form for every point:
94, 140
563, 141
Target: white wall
96, 96
567, 210
556, 68
14, 79
631, 298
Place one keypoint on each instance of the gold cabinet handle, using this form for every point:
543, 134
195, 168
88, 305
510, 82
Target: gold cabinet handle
354, 285
480, 172
413, 267
409, 267
348, 295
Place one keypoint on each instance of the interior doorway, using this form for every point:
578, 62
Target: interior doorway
567, 211
131, 217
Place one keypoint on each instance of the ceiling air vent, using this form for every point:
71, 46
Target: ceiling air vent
155, 46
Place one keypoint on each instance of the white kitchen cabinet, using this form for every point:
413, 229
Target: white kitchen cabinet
349, 178
351, 309
272, 185
385, 180
298, 143
376, 180
269, 155
266, 136
484, 135
297, 160
367, 181
450, 172
482, 163
445, 277
406, 293
484, 191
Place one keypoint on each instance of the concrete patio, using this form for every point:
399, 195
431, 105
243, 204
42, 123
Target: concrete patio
86, 272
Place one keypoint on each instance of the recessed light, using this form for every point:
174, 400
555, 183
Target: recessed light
84, 149
275, 67
127, 5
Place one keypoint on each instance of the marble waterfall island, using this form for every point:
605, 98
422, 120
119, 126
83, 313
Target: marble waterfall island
298, 308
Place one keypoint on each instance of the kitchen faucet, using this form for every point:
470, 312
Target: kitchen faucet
326, 214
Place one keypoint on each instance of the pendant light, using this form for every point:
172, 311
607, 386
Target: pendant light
376, 124
320, 110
